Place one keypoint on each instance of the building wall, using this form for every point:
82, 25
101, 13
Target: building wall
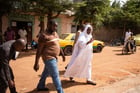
106, 34
64, 23
36, 28
5, 23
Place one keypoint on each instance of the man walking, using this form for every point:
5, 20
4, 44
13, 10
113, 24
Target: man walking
49, 49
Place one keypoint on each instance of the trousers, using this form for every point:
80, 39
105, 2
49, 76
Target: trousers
51, 69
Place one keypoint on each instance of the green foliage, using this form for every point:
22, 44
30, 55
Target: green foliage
132, 13
91, 10
6, 7
46, 7
114, 16
126, 16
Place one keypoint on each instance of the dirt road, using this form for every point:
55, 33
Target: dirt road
109, 67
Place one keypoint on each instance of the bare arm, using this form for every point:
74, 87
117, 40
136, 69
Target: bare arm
76, 37
91, 40
7, 72
62, 54
38, 54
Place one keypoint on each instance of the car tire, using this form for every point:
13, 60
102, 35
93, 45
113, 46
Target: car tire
68, 50
99, 48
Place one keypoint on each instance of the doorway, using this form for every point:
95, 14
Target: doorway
23, 24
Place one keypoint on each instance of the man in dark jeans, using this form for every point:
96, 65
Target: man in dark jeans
49, 48
8, 51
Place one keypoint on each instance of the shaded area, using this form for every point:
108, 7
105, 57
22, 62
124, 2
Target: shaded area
119, 51
65, 84
27, 53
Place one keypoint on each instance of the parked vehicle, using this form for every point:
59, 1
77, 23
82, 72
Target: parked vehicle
137, 39
66, 43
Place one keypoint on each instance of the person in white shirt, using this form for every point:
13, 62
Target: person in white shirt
23, 34
127, 35
80, 64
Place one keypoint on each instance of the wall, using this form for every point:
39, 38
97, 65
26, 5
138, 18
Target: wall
66, 23
5, 24
107, 35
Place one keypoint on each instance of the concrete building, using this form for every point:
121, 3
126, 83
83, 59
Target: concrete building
31, 24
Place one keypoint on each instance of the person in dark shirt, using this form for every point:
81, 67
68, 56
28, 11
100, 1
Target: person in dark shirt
8, 52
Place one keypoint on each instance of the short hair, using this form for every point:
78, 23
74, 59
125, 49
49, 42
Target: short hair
51, 22
20, 42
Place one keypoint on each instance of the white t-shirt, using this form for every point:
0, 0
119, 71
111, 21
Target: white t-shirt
127, 35
23, 34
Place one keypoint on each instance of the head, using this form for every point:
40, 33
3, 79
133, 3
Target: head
19, 44
131, 34
88, 29
52, 26
129, 30
82, 27
23, 28
8, 28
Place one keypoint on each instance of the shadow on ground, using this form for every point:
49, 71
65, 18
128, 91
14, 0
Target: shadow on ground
65, 84
26, 53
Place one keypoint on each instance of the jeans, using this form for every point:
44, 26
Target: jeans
51, 69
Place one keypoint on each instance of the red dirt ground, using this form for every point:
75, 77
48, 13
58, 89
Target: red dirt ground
109, 66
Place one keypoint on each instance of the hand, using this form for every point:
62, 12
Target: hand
11, 83
63, 57
36, 67
91, 40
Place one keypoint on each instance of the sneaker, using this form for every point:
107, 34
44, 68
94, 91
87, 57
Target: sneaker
71, 79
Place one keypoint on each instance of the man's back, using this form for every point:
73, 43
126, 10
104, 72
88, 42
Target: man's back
6, 50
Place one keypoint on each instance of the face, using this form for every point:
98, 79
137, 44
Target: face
19, 48
19, 45
88, 30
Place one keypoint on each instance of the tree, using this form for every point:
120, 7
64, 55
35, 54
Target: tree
45, 8
132, 14
92, 11
126, 16
5, 8
115, 14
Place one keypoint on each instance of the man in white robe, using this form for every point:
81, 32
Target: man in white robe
80, 64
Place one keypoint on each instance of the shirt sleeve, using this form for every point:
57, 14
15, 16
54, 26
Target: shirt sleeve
5, 58
6, 68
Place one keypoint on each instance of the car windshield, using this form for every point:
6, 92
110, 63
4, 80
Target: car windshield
63, 36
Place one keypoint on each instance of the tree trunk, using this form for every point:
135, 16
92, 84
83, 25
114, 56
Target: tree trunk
124, 29
42, 27
1, 23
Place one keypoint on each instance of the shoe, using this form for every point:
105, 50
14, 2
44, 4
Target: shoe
43, 89
71, 79
65, 67
91, 82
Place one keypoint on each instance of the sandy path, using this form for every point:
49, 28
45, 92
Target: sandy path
109, 67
